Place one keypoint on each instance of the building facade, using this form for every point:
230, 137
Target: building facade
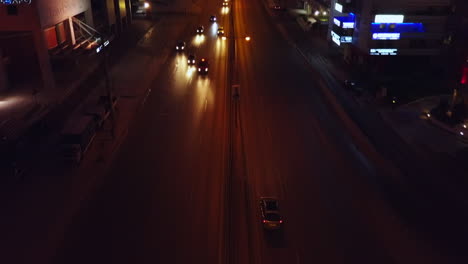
372, 30
33, 32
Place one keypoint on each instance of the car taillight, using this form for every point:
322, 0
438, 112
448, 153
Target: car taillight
264, 221
281, 221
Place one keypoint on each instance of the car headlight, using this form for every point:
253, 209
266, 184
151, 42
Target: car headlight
199, 69
177, 47
206, 69
182, 48
188, 61
193, 61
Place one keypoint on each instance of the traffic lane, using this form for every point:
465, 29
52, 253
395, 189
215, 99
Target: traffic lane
162, 199
324, 136
271, 123
346, 145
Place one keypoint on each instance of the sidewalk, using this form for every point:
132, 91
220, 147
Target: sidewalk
23, 115
40, 209
417, 128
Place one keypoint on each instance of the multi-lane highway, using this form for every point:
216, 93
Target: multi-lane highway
184, 186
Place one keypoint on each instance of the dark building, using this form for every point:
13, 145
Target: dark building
32, 34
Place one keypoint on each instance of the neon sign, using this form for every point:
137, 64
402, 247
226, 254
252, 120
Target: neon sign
383, 52
389, 18
348, 24
397, 27
386, 36
15, 2
336, 21
336, 38
339, 8
346, 39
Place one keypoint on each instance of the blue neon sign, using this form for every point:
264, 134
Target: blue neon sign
397, 27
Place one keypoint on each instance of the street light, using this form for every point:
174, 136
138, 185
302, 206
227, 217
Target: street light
146, 5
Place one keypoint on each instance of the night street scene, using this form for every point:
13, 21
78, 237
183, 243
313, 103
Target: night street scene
233, 131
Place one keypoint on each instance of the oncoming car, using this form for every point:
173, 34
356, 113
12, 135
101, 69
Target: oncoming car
213, 18
220, 32
180, 46
225, 3
271, 217
200, 30
191, 60
203, 66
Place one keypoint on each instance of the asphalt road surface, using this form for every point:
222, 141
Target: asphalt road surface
184, 186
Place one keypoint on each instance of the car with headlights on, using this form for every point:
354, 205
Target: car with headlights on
213, 18
180, 46
270, 213
191, 60
220, 31
203, 66
200, 30
225, 4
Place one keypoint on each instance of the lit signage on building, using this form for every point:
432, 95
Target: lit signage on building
397, 27
339, 8
15, 2
386, 36
344, 21
336, 38
383, 52
348, 24
336, 21
389, 18
346, 39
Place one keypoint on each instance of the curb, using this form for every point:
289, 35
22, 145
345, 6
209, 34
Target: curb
453, 132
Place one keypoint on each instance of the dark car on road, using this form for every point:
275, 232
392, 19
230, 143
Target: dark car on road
191, 60
271, 217
200, 30
180, 46
220, 31
203, 66
213, 18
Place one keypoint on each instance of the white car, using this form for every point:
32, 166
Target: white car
271, 217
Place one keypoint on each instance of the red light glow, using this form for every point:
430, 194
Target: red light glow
464, 78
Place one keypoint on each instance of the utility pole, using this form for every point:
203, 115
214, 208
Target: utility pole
108, 84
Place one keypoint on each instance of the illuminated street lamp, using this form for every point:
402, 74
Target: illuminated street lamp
146, 5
